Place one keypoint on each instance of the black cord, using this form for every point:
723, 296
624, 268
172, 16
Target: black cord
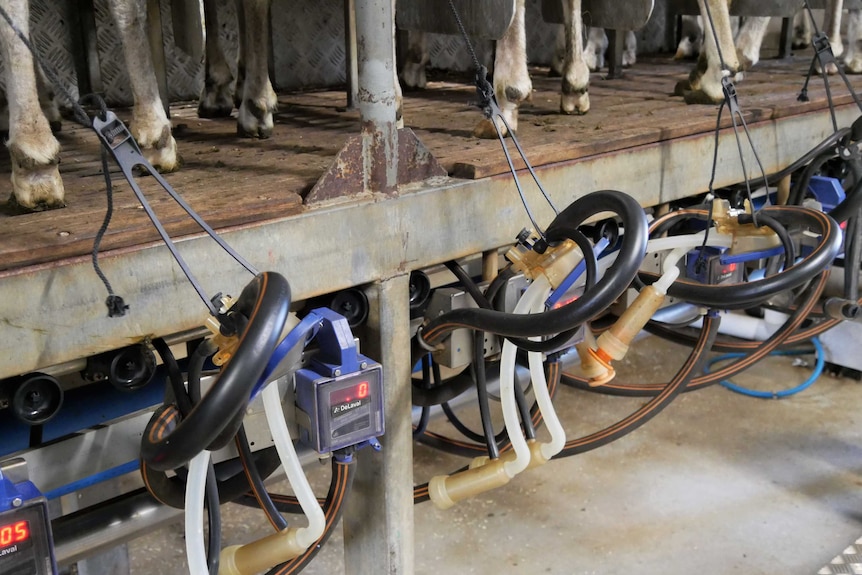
175, 391
482, 392
256, 482
213, 520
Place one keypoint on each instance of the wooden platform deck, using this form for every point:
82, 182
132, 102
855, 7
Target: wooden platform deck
637, 138
232, 181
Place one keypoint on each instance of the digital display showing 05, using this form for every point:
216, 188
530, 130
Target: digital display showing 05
14, 533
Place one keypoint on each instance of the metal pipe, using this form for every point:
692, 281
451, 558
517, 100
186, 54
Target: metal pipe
107, 524
377, 95
378, 517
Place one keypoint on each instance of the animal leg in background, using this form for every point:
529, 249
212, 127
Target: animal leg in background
703, 85
35, 152
150, 125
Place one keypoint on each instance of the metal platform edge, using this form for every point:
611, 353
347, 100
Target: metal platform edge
55, 313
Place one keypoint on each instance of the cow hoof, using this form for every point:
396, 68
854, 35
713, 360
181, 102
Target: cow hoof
853, 66
255, 121
413, 76
745, 62
37, 190
36, 183
164, 159
575, 103
212, 110
682, 88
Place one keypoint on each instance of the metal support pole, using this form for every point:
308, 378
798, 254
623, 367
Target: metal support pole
615, 53
375, 39
351, 64
785, 42
378, 518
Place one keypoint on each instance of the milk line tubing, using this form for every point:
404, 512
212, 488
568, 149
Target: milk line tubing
116, 139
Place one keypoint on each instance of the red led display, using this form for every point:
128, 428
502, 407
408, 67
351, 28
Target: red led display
348, 394
13, 533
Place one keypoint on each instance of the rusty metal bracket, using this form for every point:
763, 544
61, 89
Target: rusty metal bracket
347, 176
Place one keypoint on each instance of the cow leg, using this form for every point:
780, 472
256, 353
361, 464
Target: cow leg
692, 38
150, 125
559, 56
575, 98
630, 49
258, 100
801, 30
216, 99
832, 27
594, 51
36, 183
704, 83
853, 56
512, 83
749, 40
415, 60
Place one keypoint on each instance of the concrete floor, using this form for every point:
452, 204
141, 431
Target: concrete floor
718, 483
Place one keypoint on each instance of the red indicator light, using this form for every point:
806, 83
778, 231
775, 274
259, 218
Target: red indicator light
17, 532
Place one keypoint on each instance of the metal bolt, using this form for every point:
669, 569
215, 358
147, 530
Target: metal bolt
337, 372
363, 365
17, 502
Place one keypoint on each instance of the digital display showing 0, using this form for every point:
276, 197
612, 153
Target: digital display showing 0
348, 394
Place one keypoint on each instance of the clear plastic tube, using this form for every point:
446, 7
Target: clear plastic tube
305, 536
689, 241
195, 491
539, 287
540, 388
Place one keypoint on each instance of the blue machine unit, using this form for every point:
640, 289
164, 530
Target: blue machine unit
339, 396
26, 544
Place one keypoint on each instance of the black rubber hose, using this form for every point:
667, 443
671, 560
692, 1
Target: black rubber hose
482, 393
853, 198
343, 474
175, 391
255, 481
592, 273
612, 284
800, 186
171, 490
742, 295
213, 520
780, 231
264, 302
468, 284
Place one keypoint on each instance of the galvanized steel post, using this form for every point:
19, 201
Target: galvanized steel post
378, 519
377, 95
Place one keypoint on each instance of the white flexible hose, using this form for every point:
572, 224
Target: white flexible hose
195, 491
292, 467
540, 389
689, 241
538, 288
